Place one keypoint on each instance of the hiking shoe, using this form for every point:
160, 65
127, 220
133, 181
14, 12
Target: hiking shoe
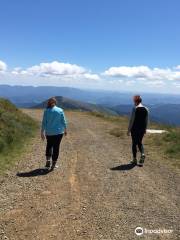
134, 161
141, 161
54, 165
48, 164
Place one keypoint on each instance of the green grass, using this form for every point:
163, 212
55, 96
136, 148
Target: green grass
168, 145
16, 129
112, 118
172, 141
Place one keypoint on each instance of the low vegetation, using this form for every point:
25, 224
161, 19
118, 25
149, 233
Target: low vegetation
16, 128
166, 144
172, 139
113, 118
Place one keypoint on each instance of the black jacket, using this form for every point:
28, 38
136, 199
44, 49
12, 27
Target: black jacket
139, 119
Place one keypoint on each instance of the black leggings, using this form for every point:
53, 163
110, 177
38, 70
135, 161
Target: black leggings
137, 137
52, 148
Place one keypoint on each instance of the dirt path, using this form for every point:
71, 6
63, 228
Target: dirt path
85, 198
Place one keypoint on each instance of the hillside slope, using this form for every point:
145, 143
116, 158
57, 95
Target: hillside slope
166, 113
160, 113
94, 194
70, 104
15, 128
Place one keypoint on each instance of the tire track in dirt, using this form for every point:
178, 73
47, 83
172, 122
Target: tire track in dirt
74, 182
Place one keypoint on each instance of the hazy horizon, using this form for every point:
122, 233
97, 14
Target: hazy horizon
96, 89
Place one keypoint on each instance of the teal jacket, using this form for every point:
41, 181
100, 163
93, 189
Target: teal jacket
54, 121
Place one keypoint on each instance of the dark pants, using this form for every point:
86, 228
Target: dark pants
137, 137
52, 148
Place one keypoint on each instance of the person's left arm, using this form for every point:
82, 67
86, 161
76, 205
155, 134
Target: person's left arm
64, 121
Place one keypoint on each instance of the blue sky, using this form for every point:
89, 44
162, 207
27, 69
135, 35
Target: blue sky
95, 35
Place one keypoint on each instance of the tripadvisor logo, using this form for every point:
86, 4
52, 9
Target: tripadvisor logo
140, 231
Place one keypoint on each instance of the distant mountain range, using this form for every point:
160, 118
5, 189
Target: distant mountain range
164, 108
26, 96
161, 113
70, 104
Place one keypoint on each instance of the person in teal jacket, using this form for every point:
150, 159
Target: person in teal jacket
54, 126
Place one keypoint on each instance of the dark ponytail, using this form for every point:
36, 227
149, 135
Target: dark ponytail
51, 102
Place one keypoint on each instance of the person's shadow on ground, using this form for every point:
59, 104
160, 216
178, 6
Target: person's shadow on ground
123, 167
34, 173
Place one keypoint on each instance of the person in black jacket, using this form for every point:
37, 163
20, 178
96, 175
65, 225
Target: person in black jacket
137, 127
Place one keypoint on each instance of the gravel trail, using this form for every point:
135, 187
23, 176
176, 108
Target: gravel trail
93, 195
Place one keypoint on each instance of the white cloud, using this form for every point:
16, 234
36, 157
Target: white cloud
125, 71
3, 66
57, 69
130, 83
177, 67
52, 69
65, 74
155, 83
144, 73
91, 76
16, 70
177, 85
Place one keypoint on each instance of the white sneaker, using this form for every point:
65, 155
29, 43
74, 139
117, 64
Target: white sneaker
54, 166
133, 161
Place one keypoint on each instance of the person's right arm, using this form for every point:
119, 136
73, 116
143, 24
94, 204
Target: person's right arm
147, 119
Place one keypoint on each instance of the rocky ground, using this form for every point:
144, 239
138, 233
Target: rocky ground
94, 195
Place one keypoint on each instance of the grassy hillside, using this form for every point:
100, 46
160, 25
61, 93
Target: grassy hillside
15, 130
164, 147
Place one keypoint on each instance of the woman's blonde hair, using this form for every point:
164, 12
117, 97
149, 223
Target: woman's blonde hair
51, 102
